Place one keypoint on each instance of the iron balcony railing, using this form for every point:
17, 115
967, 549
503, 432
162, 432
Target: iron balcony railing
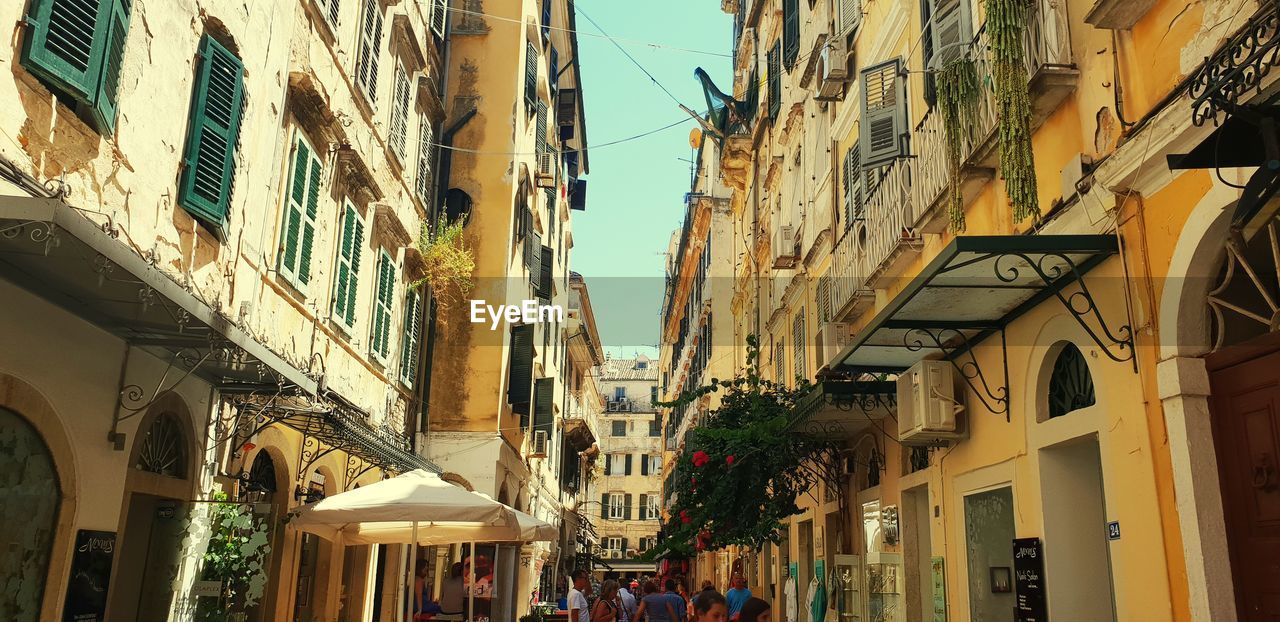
892, 212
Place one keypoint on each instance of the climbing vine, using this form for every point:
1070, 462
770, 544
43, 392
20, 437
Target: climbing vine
448, 266
956, 85
740, 472
1006, 23
237, 557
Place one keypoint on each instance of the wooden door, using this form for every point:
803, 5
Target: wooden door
1246, 430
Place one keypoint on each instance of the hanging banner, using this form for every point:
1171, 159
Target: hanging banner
90, 576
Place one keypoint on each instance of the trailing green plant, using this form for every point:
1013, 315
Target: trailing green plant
1006, 24
740, 472
448, 266
236, 556
956, 85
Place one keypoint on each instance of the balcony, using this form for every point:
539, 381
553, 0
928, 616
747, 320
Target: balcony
908, 199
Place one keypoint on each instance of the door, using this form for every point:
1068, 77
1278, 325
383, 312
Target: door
1246, 431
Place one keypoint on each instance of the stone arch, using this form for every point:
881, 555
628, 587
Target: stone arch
167, 408
33, 408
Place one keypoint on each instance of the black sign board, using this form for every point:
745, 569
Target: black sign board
1028, 580
90, 575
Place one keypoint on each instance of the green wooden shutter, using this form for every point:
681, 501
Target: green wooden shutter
798, 339
546, 264
308, 238
530, 76
400, 114
626, 507
533, 258
855, 185
295, 208
78, 46
626, 464
883, 114
790, 32
411, 340
213, 133
543, 414
108, 91
381, 337
604, 505
369, 48
947, 29
520, 371
644, 470
773, 62
347, 273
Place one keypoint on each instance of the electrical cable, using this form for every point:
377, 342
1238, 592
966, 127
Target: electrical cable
630, 57
589, 147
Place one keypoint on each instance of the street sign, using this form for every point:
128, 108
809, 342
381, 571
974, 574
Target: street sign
1113, 530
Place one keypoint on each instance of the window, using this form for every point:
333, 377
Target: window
798, 339
642, 364
648, 543
651, 509
1070, 384
619, 428
370, 46
655, 428
347, 273
439, 11
329, 8
412, 338
790, 32
854, 186
399, 134
530, 77
947, 30
380, 338
298, 237
779, 365
617, 508
617, 464
213, 133
426, 155
164, 448
77, 48
546, 19
520, 371
848, 16
619, 393
655, 465
884, 114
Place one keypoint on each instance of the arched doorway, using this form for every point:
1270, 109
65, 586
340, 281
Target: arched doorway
158, 488
28, 516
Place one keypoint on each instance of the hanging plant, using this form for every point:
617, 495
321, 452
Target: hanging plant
956, 85
1006, 23
740, 472
448, 266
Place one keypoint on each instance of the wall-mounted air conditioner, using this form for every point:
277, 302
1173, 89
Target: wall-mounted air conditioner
785, 250
927, 407
833, 337
835, 69
539, 445
546, 176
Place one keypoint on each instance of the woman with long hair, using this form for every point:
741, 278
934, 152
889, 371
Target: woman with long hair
606, 609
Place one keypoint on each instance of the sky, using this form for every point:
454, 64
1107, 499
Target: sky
635, 190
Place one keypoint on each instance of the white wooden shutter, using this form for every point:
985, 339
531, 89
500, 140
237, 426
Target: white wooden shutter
400, 114
369, 49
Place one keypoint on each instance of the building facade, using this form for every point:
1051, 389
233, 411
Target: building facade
213, 315
1014, 359
500, 392
629, 483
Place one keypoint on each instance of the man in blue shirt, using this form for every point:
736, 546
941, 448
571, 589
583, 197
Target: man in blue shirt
737, 596
677, 601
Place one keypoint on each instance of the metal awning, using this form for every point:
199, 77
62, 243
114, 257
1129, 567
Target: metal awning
842, 408
974, 288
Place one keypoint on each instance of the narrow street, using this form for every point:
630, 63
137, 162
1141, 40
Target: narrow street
847, 311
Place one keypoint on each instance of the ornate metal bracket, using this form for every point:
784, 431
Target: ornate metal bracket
356, 468
1238, 68
1081, 304
955, 344
309, 453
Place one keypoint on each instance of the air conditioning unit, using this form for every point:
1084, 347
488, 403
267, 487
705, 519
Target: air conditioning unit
546, 176
927, 407
539, 444
615, 554
834, 336
785, 250
835, 69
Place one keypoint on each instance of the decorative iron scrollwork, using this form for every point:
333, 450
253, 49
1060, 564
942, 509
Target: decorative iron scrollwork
1237, 68
954, 344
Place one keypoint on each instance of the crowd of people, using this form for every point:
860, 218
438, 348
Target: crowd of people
662, 600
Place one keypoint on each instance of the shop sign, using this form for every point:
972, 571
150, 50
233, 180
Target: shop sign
1028, 580
939, 571
207, 589
90, 576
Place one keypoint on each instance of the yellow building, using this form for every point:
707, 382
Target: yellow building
209, 219
1036, 380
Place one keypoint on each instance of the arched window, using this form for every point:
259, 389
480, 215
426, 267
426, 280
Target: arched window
1070, 384
31, 495
164, 448
261, 477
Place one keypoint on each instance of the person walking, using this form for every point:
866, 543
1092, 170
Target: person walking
628, 602
755, 610
710, 606
679, 601
737, 596
656, 606
607, 605
578, 611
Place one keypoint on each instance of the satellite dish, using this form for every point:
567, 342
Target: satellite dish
695, 138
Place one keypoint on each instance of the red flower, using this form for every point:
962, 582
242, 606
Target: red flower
684, 517
700, 458
729, 460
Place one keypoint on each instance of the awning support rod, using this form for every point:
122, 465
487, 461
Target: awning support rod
954, 344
